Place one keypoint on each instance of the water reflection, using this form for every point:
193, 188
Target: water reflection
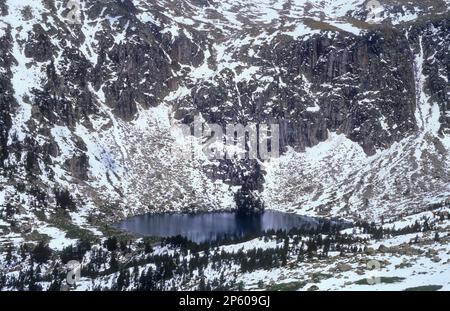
212, 226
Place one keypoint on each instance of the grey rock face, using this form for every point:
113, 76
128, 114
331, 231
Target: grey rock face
6, 97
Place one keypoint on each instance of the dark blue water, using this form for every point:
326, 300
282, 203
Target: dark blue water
213, 226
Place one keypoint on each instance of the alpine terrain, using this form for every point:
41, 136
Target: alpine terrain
93, 96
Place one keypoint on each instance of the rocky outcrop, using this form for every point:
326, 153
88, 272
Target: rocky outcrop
6, 95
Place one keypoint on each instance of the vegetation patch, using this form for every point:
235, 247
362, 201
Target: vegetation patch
292, 286
35, 236
61, 220
425, 288
383, 280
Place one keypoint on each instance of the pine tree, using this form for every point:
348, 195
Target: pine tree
111, 244
55, 286
436, 237
123, 280
8, 254
326, 247
41, 253
114, 265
